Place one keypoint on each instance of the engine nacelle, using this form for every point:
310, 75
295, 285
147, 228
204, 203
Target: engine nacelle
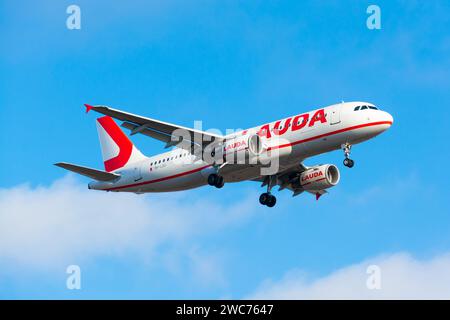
319, 178
248, 149
255, 145
253, 149
242, 148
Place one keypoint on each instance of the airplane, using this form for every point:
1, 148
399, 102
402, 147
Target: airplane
200, 158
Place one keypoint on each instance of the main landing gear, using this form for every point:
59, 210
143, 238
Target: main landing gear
216, 180
347, 161
267, 198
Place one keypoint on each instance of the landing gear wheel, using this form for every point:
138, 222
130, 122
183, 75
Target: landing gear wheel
216, 180
219, 182
272, 201
212, 179
349, 162
266, 199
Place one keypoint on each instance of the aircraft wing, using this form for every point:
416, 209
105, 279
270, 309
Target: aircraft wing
171, 134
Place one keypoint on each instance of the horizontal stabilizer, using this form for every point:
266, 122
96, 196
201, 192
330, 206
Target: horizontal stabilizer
95, 174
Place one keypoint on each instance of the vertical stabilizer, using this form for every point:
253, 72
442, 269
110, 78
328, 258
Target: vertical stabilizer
117, 149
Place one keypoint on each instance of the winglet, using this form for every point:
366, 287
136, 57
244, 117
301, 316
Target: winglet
88, 107
318, 195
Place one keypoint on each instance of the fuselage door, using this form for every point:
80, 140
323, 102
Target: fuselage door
137, 173
335, 114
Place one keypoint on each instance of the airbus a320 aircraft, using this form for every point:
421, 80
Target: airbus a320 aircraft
201, 158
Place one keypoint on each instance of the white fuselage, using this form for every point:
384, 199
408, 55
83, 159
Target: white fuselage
305, 135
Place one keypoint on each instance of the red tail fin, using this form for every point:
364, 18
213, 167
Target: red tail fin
117, 149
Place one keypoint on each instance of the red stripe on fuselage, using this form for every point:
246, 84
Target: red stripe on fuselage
160, 179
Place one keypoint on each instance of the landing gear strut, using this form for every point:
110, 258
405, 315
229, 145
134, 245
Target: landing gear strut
268, 199
347, 161
216, 180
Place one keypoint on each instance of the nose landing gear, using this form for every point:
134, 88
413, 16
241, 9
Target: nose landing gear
216, 180
347, 161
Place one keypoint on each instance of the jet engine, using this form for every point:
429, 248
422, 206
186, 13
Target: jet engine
253, 149
241, 149
247, 149
319, 177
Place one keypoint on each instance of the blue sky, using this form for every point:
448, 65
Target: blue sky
231, 64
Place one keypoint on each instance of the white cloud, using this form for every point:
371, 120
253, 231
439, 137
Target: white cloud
402, 277
45, 227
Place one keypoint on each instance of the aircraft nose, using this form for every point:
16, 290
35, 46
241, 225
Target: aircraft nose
388, 118
384, 121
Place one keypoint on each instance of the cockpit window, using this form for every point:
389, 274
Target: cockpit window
365, 108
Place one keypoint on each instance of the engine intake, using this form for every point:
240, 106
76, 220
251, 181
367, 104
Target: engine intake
255, 145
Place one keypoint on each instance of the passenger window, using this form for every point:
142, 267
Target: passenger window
357, 108
363, 107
